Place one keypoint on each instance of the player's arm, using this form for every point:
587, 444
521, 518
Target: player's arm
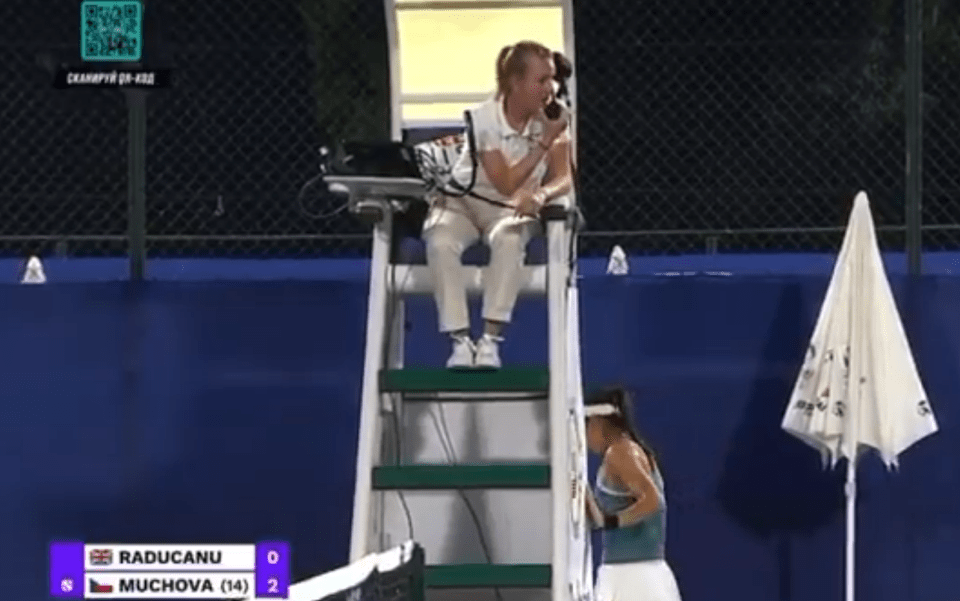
631, 467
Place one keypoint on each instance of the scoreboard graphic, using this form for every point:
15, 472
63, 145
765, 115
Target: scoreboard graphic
100, 571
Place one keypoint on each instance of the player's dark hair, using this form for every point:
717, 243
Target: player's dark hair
620, 398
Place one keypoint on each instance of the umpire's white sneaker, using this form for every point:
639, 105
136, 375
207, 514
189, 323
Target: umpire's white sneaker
488, 352
463, 353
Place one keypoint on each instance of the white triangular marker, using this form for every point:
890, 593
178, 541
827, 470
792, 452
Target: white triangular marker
618, 262
34, 272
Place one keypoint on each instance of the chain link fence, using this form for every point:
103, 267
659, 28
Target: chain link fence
63, 186
258, 88
719, 125
941, 126
704, 126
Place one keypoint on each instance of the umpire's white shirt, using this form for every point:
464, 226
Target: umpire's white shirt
493, 132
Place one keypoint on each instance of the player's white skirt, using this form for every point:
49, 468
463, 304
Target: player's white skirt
637, 581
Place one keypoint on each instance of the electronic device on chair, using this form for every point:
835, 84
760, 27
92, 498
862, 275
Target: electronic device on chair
378, 159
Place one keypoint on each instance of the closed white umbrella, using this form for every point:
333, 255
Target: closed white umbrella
859, 387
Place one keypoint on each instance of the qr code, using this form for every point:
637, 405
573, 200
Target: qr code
111, 30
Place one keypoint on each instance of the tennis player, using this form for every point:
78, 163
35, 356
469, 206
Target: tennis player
523, 162
629, 504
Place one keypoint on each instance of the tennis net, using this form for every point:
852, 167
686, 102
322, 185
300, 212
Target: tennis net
393, 575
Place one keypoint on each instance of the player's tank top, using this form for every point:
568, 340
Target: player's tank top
640, 542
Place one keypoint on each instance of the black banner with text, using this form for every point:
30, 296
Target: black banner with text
85, 77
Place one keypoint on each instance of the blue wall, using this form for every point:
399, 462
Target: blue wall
227, 412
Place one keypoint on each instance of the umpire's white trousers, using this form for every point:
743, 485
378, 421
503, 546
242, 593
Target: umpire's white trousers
456, 223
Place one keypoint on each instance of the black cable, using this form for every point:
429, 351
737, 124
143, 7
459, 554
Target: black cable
391, 311
389, 324
452, 459
474, 167
472, 149
430, 164
443, 430
403, 500
303, 208
447, 443
448, 450
391, 315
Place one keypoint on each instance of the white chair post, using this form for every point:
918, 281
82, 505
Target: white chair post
368, 445
558, 238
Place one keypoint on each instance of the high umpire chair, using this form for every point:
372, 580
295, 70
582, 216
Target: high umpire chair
392, 201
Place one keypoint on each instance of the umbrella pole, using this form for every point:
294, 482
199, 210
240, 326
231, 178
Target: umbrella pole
851, 492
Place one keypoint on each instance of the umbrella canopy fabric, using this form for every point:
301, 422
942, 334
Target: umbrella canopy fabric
859, 387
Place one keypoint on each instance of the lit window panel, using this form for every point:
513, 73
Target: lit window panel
471, 4
435, 112
454, 51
